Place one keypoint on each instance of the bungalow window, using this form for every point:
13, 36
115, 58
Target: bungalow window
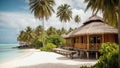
95, 39
98, 39
74, 40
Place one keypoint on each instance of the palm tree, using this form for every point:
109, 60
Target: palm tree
59, 32
51, 31
29, 35
38, 30
64, 13
70, 30
20, 37
63, 31
77, 19
42, 9
26, 36
110, 12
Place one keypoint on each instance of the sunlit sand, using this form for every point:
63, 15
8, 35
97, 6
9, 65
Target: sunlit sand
39, 59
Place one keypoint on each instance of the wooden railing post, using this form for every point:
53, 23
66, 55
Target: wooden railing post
102, 38
88, 44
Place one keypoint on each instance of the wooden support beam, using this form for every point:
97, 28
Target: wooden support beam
88, 42
103, 40
81, 54
96, 55
87, 55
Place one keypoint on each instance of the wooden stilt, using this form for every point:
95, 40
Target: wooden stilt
96, 55
87, 55
80, 54
88, 42
103, 38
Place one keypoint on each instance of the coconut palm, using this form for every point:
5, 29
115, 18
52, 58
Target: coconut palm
63, 31
51, 31
70, 30
29, 35
77, 19
38, 30
26, 36
64, 13
20, 37
42, 9
59, 32
110, 11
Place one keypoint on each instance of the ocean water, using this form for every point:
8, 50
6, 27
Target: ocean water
7, 51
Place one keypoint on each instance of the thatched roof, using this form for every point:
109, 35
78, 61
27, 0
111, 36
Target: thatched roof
64, 35
94, 25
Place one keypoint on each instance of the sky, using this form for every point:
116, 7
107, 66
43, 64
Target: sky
16, 16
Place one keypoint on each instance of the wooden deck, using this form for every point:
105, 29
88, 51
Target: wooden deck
67, 53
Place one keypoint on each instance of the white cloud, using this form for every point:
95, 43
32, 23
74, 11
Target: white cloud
17, 20
20, 20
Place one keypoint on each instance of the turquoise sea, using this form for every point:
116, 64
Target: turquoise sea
7, 51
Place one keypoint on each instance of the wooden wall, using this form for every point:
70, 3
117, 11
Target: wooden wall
79, 41
109, 38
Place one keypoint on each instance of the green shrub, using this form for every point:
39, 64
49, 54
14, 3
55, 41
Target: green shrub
109, 57
55, 39
48, 47
37, 43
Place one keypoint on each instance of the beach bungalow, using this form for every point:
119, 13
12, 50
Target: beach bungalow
88, 38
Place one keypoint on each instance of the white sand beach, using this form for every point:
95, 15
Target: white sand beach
39, 59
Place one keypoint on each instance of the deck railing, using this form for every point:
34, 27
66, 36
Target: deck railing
80, 46
84, 46
94, 46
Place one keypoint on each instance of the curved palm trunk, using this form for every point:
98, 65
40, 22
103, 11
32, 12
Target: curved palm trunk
64, 26
119, 37
78, 25
43, 36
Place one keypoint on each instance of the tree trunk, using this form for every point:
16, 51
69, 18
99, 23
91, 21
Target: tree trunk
119, 37
43, 36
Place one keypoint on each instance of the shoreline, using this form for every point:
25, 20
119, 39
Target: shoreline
26, 52
40, 59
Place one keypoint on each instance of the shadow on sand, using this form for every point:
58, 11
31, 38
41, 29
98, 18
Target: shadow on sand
77, 59
51, 65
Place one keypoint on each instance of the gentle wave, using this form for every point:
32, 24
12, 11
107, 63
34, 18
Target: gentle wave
7, 51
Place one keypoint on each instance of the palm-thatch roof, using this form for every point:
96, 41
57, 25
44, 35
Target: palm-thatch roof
94, 25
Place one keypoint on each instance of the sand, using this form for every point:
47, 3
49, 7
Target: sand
39, 59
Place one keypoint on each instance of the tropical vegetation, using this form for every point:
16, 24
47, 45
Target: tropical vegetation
42, 9
33, 37
48, 47
109, 57
77, 19
26, 36
64, 13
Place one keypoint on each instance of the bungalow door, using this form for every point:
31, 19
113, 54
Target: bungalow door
95, 41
